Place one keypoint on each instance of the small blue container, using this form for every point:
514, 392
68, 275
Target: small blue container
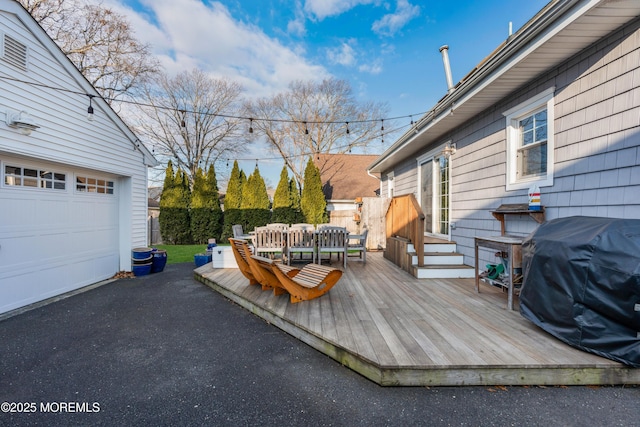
141, 253
141, 269
159, 260
201, 259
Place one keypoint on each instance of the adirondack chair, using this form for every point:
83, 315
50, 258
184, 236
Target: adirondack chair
312, 281
269, 240
358, 242
332, 240
241, 252
301, 240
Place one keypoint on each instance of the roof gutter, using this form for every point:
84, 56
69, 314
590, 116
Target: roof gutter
530, 31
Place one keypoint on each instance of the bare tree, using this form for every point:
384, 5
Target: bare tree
192, 119
316, 117
99, 41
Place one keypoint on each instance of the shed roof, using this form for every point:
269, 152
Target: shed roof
345, 177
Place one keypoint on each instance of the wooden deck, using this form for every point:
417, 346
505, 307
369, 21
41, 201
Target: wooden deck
401, 331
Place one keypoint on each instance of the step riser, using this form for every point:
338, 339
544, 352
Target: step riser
445, 273
443, 248
440, 259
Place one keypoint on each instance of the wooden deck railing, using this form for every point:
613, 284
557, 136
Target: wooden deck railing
405, 220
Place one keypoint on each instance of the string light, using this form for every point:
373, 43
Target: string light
306, 130
182, 121
90, 109
347, 128
382, 127
250, 125
228, 116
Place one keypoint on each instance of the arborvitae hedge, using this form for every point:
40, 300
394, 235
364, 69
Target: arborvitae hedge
255, 202
183, 230
206, 215
232, 202
294, 195
174, 208
313, 203
283, 211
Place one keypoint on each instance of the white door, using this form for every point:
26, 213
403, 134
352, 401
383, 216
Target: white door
58, 231
435, 194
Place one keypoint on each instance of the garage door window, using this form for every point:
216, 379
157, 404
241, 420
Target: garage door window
85, 184
35, 178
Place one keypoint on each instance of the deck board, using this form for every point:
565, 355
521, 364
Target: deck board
399, 330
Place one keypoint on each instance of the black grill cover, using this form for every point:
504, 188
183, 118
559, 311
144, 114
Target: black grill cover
582, 284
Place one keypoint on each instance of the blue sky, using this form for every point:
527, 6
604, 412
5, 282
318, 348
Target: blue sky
386, 49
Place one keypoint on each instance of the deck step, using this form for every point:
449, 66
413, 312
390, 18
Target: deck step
440, 258
444, 272
440, 247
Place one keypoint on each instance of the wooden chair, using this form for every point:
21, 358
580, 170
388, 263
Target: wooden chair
358, 242
238, 233
279, 225
241, 252
262, 269
332, 240
312, 281
301, 240
268, 240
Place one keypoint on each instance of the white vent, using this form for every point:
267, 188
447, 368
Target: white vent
15, 53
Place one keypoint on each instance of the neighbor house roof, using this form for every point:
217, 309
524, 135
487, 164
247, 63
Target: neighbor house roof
345, 177
560, 30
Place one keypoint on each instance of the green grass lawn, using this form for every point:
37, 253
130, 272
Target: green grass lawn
177, 254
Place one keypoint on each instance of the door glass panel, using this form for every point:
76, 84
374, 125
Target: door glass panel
426, 173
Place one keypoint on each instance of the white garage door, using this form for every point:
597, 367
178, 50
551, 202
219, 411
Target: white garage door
58, 231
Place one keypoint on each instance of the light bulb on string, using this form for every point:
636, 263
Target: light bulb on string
250, 125
306, 129
348, 130
90, 109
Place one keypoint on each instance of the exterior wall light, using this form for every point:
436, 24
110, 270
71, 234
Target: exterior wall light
21, 121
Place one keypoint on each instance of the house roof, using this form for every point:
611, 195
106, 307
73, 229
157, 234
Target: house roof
345, 177
560, 30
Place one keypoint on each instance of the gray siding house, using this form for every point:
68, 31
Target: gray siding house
557, 105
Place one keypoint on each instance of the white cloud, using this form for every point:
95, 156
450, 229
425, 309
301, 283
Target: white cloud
321, 9
391, 23
344, 54
374, 67
187, 33
296, 26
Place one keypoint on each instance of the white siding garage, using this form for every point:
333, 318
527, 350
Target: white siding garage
73, 192
59, 230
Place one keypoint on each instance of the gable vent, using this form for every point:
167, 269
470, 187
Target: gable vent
15, 53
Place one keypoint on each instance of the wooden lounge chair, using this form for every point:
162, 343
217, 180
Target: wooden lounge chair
262, 269
241, 252
310, 282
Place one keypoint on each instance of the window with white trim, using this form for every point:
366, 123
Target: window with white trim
86, 184
530, 142
32, 177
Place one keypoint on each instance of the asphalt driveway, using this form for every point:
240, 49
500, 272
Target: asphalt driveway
166, 350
